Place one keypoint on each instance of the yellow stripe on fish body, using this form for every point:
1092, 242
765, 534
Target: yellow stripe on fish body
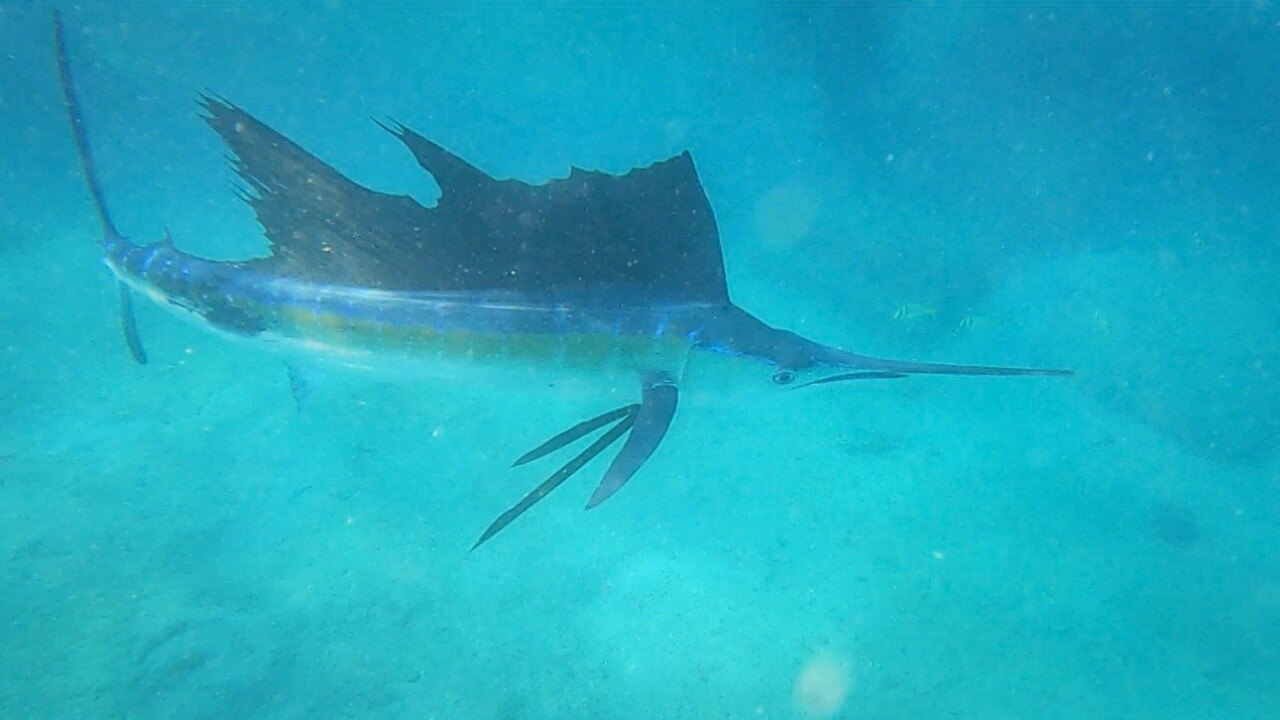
343, 335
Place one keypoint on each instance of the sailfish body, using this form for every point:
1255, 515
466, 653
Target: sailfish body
417, 333
612, 276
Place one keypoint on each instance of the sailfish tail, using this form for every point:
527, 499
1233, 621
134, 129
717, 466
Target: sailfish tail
78, 129
109, 233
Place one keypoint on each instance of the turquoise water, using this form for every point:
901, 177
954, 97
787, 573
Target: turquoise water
1086, 188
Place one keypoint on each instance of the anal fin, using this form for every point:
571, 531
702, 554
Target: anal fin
130, 326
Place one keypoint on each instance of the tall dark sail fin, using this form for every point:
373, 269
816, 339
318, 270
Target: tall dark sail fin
322, 226
650, 232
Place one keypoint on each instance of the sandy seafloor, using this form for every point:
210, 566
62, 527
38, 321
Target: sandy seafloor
177, 540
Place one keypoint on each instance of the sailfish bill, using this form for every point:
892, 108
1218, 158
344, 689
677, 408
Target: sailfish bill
592, 274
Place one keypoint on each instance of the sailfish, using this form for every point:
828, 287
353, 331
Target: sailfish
590, 274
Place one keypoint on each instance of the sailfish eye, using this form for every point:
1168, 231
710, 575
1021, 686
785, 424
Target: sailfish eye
784, 377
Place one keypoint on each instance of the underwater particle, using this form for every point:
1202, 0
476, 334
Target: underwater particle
1102, 322
785, 215
822, 686
1175, 523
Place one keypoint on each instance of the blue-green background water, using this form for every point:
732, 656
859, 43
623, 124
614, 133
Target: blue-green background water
1091, 188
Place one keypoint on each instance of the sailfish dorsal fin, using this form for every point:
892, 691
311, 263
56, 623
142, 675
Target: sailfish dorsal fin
455, 176
650, 230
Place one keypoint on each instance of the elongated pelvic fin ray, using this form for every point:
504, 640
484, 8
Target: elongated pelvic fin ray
601, 444
647, 422
573, 433
657, 409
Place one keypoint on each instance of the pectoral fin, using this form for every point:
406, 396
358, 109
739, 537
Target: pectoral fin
657, 408
575, 432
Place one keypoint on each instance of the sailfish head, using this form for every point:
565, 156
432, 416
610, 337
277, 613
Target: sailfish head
784, 357
794, 361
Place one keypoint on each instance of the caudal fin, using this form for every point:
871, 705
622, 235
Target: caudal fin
109, 232
77, 129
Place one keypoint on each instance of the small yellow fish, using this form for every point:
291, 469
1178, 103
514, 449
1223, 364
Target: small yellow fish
972, 323
911, 312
